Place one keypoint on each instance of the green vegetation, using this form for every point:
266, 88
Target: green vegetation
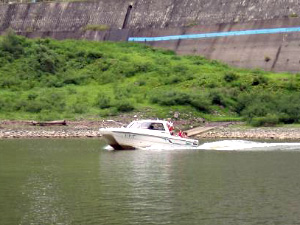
95, 27
294, 15
47, 79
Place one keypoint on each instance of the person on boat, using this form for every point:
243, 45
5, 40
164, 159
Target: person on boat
170, 125
182, 134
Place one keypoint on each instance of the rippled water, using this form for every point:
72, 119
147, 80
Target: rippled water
78, 182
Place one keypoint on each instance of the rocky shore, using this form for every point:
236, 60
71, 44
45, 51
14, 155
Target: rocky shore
89, 129
265, 133
72, 129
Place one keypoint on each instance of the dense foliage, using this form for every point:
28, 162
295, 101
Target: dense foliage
47, 79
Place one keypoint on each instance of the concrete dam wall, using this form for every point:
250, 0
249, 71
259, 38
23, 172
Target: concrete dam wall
270, 51
122, 19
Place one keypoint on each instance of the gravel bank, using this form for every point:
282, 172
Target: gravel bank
89, 129
77, 129
231, 132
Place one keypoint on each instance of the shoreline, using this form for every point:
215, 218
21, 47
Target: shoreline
262, 133
89, 129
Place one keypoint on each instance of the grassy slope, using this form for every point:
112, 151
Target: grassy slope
49, 79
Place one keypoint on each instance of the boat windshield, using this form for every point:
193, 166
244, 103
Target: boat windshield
147, 125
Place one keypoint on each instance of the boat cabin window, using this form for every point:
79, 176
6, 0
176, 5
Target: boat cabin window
139, 125
147, 125
156, 126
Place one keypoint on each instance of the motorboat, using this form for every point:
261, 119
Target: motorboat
141, 134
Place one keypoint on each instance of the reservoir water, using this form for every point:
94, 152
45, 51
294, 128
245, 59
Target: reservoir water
55, 181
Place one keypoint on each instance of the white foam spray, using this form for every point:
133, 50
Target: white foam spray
234, 145
242, 145
229, 145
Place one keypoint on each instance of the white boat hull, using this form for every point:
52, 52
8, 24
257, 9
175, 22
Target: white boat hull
123, 138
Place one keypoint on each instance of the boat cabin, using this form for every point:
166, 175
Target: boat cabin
159, 125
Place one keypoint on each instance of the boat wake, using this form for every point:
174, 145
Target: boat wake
235, 145
230, 145
242, 145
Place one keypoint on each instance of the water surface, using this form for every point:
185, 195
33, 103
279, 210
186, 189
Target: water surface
55, 181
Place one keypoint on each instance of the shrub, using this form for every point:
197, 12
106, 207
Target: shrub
170, 98
286, 119
201, 102
124, 106
168, 52
288, 107
257, 109
47, 60
162, 61
47, 115
93, 55
181, 69
32, 96
217, 98
268, 120
76, 78
143, 67
140, 82
47, 63
174, 79
113, 111
130, 69
5, 59
230, 76
103, 101
9, 82
33, 106
71, 90
7, 102
122, 92
243, 101
13, 44
292, 85
106, 77
52, 100
81, 104
260, 107
259, 79
104, 64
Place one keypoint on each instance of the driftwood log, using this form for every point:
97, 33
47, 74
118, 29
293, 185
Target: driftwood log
50, 123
